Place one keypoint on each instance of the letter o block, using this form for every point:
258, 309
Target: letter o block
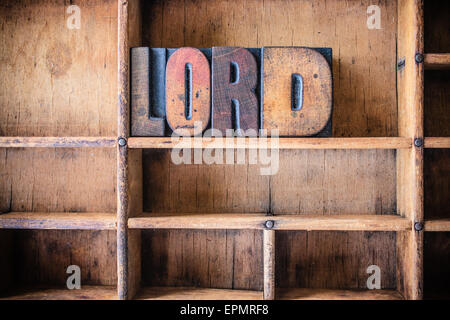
297, 91
188, 93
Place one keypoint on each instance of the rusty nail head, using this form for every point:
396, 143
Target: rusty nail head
122, 142
269, 224
418, 226
418, 142
419, 58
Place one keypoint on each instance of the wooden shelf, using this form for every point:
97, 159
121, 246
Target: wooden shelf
58, 221
85, 293
183, 293
281, 222
57, 142
328, 294
437, 143
284, 143
438, 225
437, 61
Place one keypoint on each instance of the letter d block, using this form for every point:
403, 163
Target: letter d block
235, 78
297, 92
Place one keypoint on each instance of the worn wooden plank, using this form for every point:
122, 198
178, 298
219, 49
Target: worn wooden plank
327, 294
188, 92
189, 293
56, 142
281, 222
410, 87
235, 105
44, 293
437, 143
311, 116
437, 61
438, 225
269, 264
283, 143
58, 221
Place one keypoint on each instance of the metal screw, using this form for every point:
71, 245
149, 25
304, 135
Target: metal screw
419, 58
418, 142
122, 142
269, 224
418, 226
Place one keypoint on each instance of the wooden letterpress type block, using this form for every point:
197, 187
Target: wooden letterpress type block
235, 79
188, 93
147, 92
297, 91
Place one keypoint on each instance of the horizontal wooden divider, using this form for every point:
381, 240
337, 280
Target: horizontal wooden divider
330, 294
437, 61
57, 142
58, 221
437, 143
438, 225
281, 222
283, 143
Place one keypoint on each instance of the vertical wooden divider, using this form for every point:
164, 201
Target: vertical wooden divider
410, 78
129, 162
269, 264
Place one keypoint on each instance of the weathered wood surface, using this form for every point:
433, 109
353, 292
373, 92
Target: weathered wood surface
279, 65
58, 221
438, 225
54, 142
57, 81
189, 293
269, 264
410, 88
334, 260
308, 182
437, 61
44, 293
57, 180
283, 143
327, 294
49, 252
234, 80
229, 259
188, 92
437, 143
281, 222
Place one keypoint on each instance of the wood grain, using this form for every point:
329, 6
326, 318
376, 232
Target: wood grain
283, 143
279, 64
58, 221
281, 222
437, 61
327, 294
334, 260
437, 100
85, 293
54, 142
269, 264
57, 81
190, 293
57, 180
229, 259
49, 252
437, 265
